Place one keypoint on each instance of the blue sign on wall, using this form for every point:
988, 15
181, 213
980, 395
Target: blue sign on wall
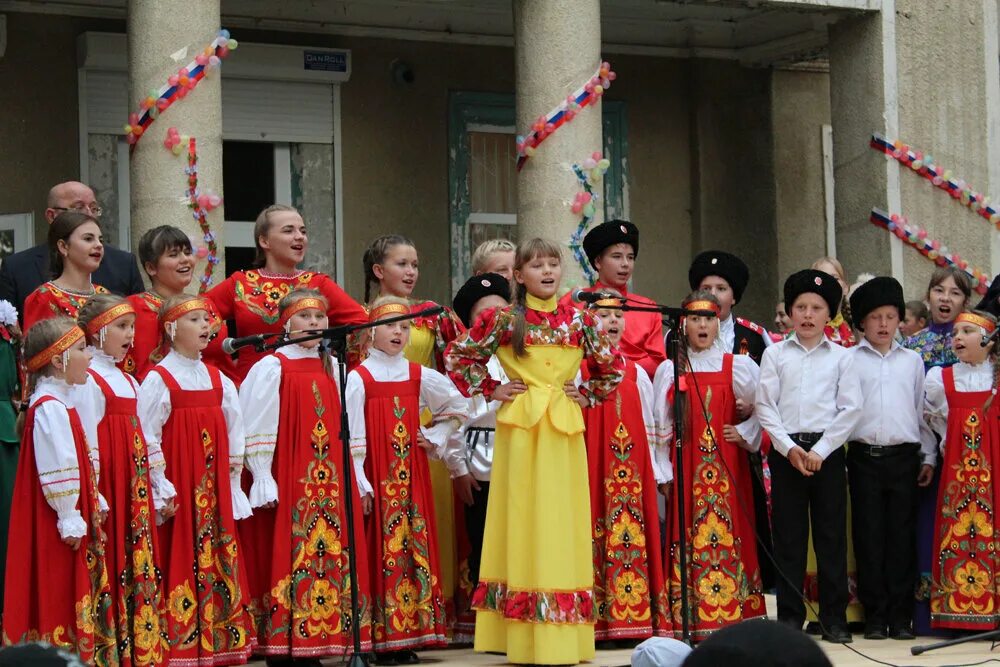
325, 61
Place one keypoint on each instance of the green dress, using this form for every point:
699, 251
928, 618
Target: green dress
9, 442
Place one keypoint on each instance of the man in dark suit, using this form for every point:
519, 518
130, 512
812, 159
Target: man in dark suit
23, 272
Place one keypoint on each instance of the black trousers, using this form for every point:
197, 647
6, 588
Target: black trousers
475, 526
794, 500
884, 528
762, 521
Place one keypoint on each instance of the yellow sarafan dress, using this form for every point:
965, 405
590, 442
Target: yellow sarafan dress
534, 601
428, 338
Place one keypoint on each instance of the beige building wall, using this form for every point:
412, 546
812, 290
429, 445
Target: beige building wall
800, 106
702, 169
945, 111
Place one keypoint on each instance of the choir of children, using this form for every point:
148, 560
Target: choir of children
186, 521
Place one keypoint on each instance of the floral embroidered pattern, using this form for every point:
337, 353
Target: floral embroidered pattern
94, 613
532, 606
261, 294
621, 584
145, 640
964, 586
409, 603
315, 600
722, 590
61, 302
466, 358
933, 344
210, 613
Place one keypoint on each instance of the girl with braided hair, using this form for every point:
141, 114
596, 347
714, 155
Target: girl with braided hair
392, 268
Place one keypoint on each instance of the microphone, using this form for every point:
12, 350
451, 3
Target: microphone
583, 295
989, 339
231, 345
427, 312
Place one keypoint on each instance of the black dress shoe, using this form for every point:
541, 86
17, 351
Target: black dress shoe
902, 632
813, 628
838, 634
875, 632
387, 658
794, 625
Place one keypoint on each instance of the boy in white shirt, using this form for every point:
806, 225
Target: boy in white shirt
808, 403
890, 449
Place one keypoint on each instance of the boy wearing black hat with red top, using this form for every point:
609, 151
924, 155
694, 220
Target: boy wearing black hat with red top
611, 248
808, 401
726, 276
891, 450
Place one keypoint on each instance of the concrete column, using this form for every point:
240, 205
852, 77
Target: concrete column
557, 48
863, 100
928, 75
164, 36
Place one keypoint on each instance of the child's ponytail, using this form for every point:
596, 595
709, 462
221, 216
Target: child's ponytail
375, 254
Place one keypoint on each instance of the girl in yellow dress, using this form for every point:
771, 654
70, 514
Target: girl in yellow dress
534, 600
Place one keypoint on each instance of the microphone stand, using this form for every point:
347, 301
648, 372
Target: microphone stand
335, 339
671, 318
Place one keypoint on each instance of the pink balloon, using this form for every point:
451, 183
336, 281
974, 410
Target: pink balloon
201, 59
172, 80
215, 200
202, 252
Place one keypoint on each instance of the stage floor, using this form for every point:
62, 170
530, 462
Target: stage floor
894, 652
889, 651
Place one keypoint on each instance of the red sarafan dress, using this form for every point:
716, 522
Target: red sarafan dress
149, 346
53, 593
296, 553
48, 300
251, 299
208, 620
125, 481
430, 335
408, 609
630, 596
723, 575
965, 577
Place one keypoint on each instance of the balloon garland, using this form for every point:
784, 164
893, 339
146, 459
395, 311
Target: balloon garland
942, 178
200, 202
589, 173
178, 86
588, 94
916, 237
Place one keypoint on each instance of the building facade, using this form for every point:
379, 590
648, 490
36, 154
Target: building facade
743, 126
